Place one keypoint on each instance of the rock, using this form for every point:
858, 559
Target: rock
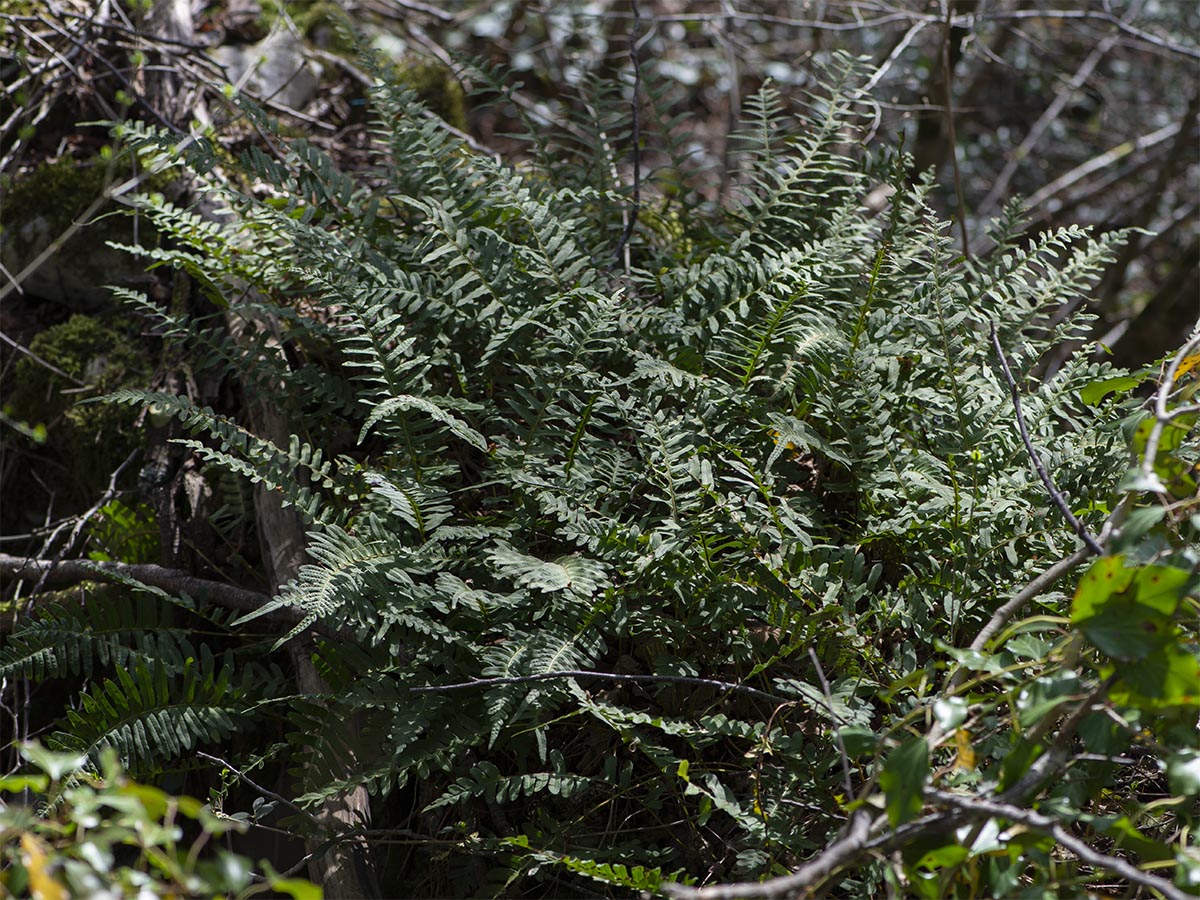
277, 68
243, 21
40, 209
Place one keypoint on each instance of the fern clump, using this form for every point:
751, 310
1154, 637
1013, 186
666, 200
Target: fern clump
626, 572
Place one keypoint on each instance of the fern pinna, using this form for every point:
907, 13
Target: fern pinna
594, 538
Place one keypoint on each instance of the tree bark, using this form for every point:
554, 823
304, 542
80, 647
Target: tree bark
342, 869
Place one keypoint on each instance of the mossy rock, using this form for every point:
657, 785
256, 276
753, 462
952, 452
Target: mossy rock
437, 87
40, 208
91, 438
323, 23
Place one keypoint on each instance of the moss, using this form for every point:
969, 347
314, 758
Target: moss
323, 23
40, 209
92, 437
438, 89
58, 192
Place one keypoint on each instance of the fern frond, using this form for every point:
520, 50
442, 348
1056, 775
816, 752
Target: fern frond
109, 630
150, 716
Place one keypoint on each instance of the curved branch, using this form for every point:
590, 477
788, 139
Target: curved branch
606, 676
1092, 544
979, 808
70, 572
847, 849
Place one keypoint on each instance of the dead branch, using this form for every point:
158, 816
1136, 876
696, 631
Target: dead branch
1047, 481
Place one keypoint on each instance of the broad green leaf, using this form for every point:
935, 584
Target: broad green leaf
1106, 576
1129, 838
1137, 480
56, 765
1095, 391
1139, 522
858, 741
297, 888
1183, 773
1173, 433
16, 784
950, 712
943, 857
903, 780
1188, 868
1165, 679
1018, 761
1045, 694
1161, 587
1127, 630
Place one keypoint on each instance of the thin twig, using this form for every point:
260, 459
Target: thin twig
622, 251
844, 851
978, 807
109, 493
1162, 416
607, 676
1102, 161
1001, 616
1058, 499
1121, 25
20, 348
266, 792
893, 56
1047, 118
70, 572
951, 131
1054, 760
964, 21
837, 735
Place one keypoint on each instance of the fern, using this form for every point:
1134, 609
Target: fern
147, 714
780, 431
107, 631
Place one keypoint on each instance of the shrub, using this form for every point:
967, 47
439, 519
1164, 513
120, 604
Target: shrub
664, 570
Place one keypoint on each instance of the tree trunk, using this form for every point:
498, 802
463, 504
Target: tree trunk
342, 870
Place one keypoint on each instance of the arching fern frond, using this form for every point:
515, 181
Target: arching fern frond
151, 716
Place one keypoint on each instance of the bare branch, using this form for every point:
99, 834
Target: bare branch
1052, 112
1163, 416
70, 572
1004, 614
893, 56
1102, 161
1058, 499
109, 493
266, 792
837, 735
37, 359
951, 130
635, 200
844, 851
978, 807
607, 676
